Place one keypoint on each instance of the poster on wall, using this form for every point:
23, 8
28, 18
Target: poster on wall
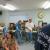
40, 24
15, 19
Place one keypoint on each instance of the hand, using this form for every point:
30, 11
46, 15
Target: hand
6, 48
30, 30
49, 40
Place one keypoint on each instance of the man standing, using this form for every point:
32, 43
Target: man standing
29, 26
18, 31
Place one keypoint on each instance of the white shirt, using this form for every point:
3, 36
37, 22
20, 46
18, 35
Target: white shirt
29, 26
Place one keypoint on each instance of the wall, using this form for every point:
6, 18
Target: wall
46, 16
9, 16
1, 18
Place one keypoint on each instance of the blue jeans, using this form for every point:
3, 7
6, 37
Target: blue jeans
29, 34
19, 36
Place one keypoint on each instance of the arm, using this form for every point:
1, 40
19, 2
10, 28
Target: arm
28, 29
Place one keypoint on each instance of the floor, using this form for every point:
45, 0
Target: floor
27, 46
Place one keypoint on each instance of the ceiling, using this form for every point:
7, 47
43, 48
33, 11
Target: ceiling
24, 4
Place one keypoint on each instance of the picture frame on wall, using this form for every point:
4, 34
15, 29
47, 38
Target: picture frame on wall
40, 23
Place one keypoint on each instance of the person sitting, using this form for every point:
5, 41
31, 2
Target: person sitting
10, 42
12, 28
43, 38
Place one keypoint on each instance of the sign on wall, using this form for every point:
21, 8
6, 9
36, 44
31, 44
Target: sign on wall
16, 18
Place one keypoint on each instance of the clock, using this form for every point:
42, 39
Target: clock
41, 15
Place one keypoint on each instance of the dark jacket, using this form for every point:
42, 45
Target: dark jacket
42, 38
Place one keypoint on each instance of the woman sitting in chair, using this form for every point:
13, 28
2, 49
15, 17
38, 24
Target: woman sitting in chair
10, 43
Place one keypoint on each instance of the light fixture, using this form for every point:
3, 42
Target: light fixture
8, 7
46, 5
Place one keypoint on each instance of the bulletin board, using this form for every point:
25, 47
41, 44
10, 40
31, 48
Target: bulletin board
15, 19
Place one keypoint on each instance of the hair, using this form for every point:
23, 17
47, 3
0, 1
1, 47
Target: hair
11, 33
13, 27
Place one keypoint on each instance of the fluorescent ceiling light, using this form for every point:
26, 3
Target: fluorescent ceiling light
8, 7
46, 5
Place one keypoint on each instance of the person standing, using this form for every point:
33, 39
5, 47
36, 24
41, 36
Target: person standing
29, 26
18, 32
